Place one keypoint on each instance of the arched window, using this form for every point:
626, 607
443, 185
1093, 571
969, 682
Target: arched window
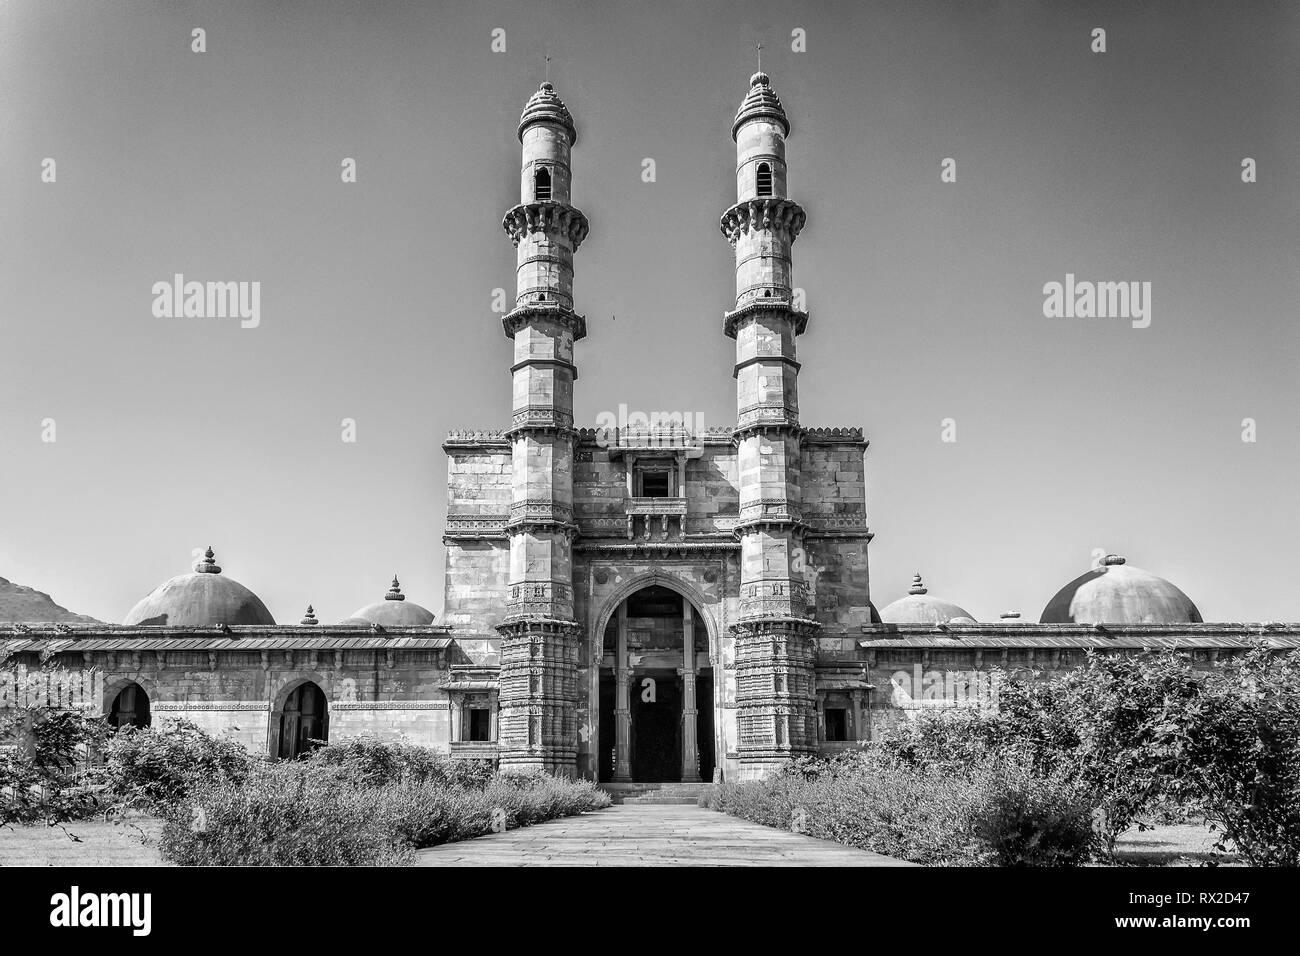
542, 185
130, 707
764, 179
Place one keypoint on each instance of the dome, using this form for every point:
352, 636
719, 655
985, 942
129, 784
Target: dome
760, 103
546, 106
393, 611
200, 599
917, 608
1116, 593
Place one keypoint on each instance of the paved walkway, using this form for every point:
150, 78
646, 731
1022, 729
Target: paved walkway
649, 835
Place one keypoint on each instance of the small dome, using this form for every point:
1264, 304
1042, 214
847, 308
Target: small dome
393, 611
546, 106
200, 599
1116, 593
918, 608
760, 102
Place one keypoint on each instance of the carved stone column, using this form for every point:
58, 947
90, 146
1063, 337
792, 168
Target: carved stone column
622, 703
690, 713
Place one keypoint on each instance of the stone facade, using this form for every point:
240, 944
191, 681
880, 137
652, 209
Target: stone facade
637, 602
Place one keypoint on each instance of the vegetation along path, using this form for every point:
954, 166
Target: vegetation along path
649, 835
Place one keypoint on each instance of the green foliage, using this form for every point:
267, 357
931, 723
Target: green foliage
281, 814
1148, 736
994, 813
45, 772
368, 760
320, 812
161, 765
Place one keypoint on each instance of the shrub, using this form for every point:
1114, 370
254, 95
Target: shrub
278, 815
1142, 737
322, 812
161, 765
369, 760
45, 773
995, 812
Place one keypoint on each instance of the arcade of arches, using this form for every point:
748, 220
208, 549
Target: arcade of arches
656, 691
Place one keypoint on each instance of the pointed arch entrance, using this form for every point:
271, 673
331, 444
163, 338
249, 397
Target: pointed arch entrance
655, 689
130, 707
303, 721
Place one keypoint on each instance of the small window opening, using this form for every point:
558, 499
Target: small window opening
764, 179
542, 185
480, 725
837, 723
656, 484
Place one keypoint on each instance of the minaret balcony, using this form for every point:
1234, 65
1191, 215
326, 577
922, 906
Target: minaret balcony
767, 413
543, 310
654, 518
540, 418
783, 218
757, 306
539, 512
547, 217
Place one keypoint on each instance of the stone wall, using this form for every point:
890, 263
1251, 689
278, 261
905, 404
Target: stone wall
392, 693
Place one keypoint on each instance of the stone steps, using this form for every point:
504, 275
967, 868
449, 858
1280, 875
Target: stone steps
683, 794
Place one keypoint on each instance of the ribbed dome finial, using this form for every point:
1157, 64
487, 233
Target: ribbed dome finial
310, 617
761, 103
917, 587
209, 563
1112, 559
395, 592
546, 106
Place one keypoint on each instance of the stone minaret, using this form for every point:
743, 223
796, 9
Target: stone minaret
775, 694
539, 636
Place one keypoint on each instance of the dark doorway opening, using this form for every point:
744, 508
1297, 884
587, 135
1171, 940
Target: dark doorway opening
130, 708
657, 728
304, 723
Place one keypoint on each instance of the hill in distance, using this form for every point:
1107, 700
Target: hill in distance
23, 605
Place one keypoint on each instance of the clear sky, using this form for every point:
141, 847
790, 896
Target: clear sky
926, 297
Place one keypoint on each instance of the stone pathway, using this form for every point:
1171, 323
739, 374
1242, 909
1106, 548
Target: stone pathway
649, 835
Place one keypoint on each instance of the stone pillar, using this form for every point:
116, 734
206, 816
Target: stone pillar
457, 716
860, 729
622, 703
690, 713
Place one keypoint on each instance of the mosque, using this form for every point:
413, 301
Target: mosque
629, 604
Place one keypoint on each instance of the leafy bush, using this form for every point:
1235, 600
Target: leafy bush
368, 760
163, 764
320, 812
1148, 737
45, 772
281, 815
995, 813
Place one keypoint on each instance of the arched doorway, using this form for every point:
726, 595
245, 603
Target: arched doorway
130, 708
656, 706
304, 721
